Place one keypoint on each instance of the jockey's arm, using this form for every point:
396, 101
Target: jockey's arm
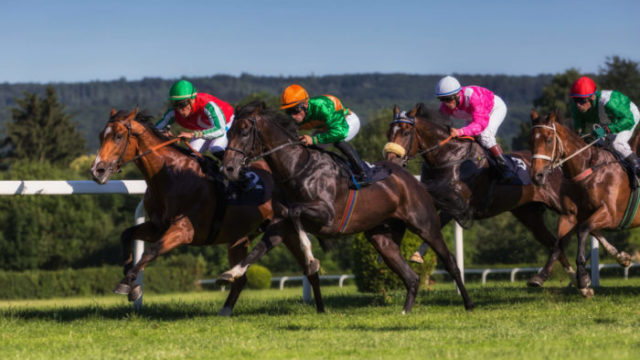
619, 111
336, 124
217, 120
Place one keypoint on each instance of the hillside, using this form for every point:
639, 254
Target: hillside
366, 94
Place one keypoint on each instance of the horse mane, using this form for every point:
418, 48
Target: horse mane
283, 121
147, 121
433, 117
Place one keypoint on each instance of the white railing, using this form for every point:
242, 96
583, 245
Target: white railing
75, 187
283, 279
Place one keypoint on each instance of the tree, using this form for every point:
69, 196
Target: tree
621, 75
41, 131
555, 96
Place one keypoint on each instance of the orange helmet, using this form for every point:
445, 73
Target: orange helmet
292, 96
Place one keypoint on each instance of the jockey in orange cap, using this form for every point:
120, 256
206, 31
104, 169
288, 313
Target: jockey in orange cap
337, 124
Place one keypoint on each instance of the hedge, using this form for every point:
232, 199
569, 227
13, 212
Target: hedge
173, 275
374, 276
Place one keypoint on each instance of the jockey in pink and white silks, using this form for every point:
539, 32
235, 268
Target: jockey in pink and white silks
483, 111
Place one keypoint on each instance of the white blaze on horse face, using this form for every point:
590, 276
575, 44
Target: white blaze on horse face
107, 131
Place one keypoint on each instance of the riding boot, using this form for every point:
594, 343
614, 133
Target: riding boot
504, 169
219, 154
634, 164
362, 175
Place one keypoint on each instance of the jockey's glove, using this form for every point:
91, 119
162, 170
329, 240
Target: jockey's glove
599, 132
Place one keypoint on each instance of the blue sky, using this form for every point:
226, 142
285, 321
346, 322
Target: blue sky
68, 41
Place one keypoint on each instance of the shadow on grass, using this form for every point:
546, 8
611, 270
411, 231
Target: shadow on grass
484, 297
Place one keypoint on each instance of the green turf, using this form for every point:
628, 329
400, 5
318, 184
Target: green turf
510, 322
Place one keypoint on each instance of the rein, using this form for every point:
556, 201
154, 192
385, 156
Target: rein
150, 150
555, 163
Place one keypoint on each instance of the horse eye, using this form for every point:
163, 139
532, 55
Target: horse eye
548, 140
119, 136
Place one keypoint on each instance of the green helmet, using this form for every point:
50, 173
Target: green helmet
182, 90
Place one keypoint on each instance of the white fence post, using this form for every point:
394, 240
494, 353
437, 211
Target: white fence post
457, 231
595, 262
138, 249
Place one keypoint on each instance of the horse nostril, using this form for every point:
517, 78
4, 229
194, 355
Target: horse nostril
229, 169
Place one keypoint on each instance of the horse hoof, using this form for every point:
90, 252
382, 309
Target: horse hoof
535, 281
623, 259
122, 289
416, 258
587, 292
135, 293
226, 277
313, 267
225, 311
469, 307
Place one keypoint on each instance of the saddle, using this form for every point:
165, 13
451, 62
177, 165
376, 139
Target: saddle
515, 164
375, 172
634, 182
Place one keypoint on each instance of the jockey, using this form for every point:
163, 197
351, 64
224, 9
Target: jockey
326, 113
482, 109
200, 117
611, 112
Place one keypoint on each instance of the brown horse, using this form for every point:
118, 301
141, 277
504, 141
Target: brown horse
602, 187
183, 204
316, 193
458, 176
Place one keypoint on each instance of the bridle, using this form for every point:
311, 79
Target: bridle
403, 118
246, 158
556, 160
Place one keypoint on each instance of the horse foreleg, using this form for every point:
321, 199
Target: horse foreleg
622, 257
236, 252
321, 213
146, 231
293, 244
180, 232
270, 239
382, 238
532, 217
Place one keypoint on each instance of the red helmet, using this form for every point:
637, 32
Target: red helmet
583, 87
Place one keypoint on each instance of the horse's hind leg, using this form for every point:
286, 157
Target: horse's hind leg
382, 238
418, 256
235, 253
532, 217
432, 235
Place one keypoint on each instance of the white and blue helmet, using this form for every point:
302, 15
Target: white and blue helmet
448, 85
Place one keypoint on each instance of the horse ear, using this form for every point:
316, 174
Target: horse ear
133, 113
534, 115
396, 110
113, 112
412, 113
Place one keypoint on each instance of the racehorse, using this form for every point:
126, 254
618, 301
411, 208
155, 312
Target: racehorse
603, 193
184, 205
318, 199
458, 176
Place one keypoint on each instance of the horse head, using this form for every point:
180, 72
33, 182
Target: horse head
545, 145
412, 133
244, 140
117, 145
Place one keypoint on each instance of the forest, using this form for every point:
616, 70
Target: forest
50, 131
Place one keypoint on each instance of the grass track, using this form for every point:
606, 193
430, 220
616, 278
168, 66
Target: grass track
510, 322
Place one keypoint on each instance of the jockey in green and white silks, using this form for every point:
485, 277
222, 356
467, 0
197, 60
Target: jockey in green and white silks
199, 116
334, 124
611, 110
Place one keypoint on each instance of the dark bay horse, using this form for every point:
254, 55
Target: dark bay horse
318, 199
457, 174
602, 185
183, 204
